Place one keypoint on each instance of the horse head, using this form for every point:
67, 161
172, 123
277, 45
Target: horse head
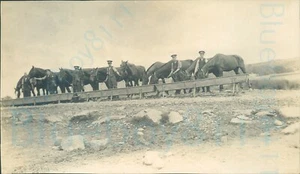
52, 85
93, 74
124, 68
154, 79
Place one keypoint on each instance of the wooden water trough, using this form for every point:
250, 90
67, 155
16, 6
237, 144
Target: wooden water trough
139, 90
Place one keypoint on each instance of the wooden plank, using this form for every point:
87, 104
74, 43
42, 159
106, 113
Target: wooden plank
37, 100
201, 83
118, 91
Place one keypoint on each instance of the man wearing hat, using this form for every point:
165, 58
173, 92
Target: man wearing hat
76, 67
78, 79
175, 70
111, 80
199, 63
175, 66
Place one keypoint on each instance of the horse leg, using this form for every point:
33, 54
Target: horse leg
221, 75
38, 91
68, 89
62, 88
136, 82
236, 70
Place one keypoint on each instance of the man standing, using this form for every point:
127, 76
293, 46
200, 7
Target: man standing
175, 67
26, 86
78, 79
200, 62
111, 80
175, 70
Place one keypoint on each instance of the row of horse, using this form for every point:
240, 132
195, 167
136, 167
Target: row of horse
128, 72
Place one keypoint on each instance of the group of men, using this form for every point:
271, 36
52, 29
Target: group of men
177, 65
111, 80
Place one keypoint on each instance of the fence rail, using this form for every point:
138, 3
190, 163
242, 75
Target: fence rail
140, 90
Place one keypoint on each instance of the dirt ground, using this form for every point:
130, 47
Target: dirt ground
206, 143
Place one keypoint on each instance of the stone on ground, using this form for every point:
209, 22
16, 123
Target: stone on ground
243, 117
290, 112
150, 157
239, 121
278, 123
53, 118
152, 114
175, 117
291, 129
159, 163
98, 144
107, 119
265, 113
85, 115
207, 112
73, 143
58, 141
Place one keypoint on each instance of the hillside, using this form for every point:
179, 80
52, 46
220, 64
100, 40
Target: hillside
274, 66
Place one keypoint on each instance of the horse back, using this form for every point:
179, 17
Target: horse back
153, 68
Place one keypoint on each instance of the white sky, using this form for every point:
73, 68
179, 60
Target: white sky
49, 34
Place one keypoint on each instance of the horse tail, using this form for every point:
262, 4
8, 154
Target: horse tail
241, 63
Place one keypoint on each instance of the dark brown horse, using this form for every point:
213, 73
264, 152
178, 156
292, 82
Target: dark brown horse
38, 73
133, 73
155, 66
64, 78
98, 75
165, 70
220, 63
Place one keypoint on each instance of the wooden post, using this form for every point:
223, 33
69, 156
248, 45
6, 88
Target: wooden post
194, 91
87, 96
233, 86
140, 93
163, 90
111, 95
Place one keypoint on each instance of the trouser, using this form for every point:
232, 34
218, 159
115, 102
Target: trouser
26, 93
200, 76
178, 77
77, 86
112, 83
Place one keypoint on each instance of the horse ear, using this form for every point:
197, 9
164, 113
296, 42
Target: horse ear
32, 66
126, 61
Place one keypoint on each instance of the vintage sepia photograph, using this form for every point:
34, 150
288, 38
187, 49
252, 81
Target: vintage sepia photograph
183, 86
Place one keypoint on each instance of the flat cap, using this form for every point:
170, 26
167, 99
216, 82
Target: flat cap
109, 61
201, 51
173, 55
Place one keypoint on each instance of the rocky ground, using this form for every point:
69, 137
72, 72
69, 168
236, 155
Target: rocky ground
252, 132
